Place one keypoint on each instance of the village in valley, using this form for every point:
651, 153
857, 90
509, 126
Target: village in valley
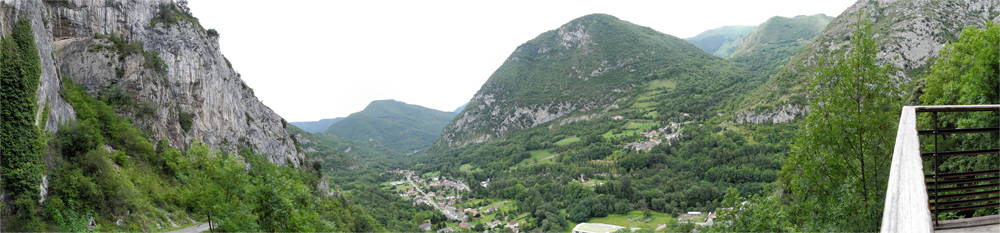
446, 195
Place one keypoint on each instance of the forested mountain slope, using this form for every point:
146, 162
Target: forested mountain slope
721, 41
615, 116
316, 126
909, 34
402, 127
774, 41
594, 64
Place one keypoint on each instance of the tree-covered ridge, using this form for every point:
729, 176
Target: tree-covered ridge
721, 41
593, 63
402, 127
316, 126
21, 140
773, 42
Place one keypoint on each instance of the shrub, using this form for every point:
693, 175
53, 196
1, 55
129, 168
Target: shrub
76, 138
154, 62
185, 119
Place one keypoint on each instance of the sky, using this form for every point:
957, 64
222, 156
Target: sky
315, 59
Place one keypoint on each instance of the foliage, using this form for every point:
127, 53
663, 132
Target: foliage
20, 140
109, 170
151, 59
966, 73
172, 14
839, 164
185, 119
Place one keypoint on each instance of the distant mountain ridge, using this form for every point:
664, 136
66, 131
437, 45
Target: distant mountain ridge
316, 126
721, 41
776, 40
402, 127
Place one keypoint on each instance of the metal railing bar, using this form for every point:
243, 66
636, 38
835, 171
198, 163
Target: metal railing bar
947, 203
963, 181
961, 153
963, 174
957, 108
945, 196
958, 131
973, 187
990, 205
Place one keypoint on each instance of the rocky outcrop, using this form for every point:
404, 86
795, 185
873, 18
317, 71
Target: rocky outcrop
175, 82
785, 113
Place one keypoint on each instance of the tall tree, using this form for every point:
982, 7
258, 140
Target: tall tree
839, 163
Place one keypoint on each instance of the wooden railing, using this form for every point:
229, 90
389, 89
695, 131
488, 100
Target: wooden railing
908, 207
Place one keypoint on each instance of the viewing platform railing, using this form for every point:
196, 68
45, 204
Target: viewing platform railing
908, 207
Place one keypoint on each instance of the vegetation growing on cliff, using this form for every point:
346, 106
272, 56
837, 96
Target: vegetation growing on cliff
21, 142
109, 171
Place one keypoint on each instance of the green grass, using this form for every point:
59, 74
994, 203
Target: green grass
538, 156
466, 167
662, 83
431, 174
567, 141
641, 125
635, 218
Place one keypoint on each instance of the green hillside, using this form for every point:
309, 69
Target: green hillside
773, 42
316, 126
654, 144
721, 41
593, 64
404, 128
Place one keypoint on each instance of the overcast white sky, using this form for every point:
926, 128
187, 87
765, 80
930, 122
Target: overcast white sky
314, 59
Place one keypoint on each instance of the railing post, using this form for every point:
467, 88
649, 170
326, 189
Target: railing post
936, 163
906, 207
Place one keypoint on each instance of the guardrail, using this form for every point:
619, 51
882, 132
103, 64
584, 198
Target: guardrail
908, 207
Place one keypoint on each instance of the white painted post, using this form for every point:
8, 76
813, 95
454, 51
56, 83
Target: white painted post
906, 206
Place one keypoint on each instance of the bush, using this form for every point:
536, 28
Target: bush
185, 119
76, 138
154, 62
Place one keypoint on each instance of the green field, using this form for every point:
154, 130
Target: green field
431, 174
635, 218
567, 141
538, 156
466, 167
641, 125
663, 83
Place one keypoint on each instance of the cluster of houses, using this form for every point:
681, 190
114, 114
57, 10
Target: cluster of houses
656, 136
698, 218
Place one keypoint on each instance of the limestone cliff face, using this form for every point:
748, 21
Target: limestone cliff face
176, 83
